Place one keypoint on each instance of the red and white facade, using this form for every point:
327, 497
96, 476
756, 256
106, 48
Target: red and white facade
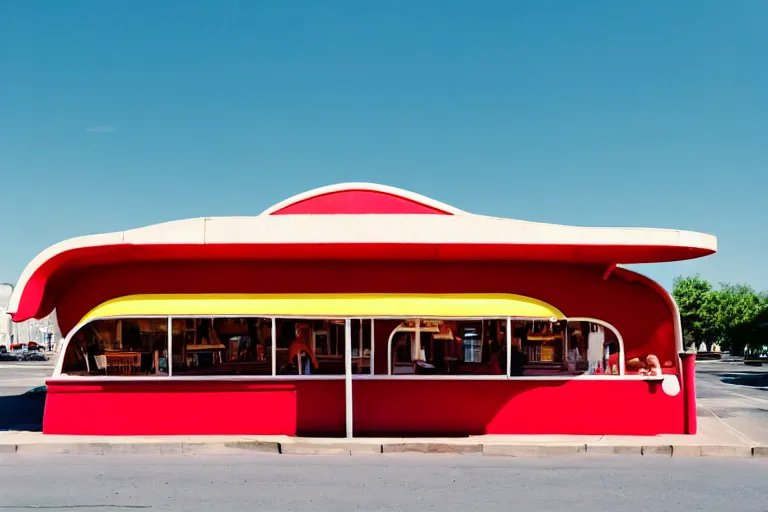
363, 238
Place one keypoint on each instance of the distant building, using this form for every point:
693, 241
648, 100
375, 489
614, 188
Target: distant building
5, 319
5, 328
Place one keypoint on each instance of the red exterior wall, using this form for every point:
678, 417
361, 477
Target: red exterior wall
429, 407
381, 407
688, 387
639, 313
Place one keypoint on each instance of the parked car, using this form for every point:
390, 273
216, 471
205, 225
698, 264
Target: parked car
7, 356
34, 355
26, 352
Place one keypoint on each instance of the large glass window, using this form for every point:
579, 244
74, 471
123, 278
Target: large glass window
542, 344
593, 349
126, 347
449, 347
362, 357
479, 347
222, 346
316, 347
243, 346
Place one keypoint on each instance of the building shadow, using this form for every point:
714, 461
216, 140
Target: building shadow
22, 412
751, 379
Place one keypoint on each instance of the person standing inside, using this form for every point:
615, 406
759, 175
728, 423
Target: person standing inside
300, 346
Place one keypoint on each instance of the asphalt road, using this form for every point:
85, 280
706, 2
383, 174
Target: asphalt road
381, 483
17, 378
738, 395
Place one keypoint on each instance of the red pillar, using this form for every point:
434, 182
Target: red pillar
689, 391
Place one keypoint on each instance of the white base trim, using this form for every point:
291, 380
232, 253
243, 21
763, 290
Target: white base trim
66, 379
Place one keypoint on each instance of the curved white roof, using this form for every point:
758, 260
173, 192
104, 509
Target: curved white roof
453, 228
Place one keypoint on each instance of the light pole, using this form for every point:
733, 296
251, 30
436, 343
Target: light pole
46, 340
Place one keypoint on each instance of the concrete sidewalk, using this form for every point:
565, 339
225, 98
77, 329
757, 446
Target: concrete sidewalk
714, 439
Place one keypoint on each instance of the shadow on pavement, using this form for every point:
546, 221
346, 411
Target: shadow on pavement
23, 412
754, 379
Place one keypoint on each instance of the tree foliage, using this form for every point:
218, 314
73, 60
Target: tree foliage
693, 296
729, 315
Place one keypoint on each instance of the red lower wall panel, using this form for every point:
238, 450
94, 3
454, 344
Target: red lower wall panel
320, 408
381, 407
161, 407
441, 407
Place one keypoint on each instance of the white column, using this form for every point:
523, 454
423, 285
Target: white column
416, 342
360, 348
509, 345
348, 374
170, 346
373, 339
274, 347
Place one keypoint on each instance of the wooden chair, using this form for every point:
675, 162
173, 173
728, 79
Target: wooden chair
101, 363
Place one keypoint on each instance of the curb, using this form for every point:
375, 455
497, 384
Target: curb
100, 448
614, 450
727, 451
218, 448
433, 448
303, 448
686, 451
375, 448
658, 450
522, 450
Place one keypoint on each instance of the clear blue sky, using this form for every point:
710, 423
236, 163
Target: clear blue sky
119, 114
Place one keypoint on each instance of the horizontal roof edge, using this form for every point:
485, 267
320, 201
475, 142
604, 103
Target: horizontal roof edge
457, 228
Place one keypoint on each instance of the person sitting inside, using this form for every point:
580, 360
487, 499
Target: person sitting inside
652, 366
517, 361
495, 357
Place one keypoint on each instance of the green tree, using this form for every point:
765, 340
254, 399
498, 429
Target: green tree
757, 331
694, 299
738, 307
727, 315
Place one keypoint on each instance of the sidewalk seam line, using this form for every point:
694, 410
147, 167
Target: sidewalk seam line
751, 398
738, 433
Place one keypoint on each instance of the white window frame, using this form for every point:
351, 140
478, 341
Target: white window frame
622, 363
57, 374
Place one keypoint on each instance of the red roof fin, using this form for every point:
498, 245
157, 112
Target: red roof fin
358, 202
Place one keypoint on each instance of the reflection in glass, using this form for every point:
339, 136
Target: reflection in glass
222, 346
125, 347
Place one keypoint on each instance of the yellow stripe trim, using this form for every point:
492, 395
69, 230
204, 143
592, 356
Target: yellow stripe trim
327, 305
